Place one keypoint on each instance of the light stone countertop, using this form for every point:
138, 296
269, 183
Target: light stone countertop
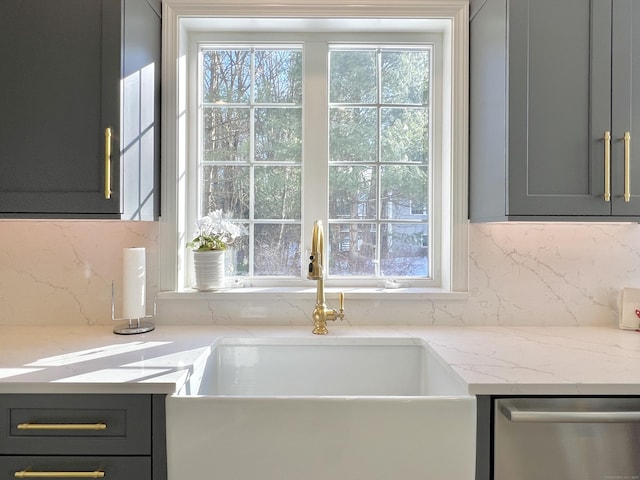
490, 360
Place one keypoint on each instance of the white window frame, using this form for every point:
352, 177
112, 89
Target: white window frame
315, 48
181, 18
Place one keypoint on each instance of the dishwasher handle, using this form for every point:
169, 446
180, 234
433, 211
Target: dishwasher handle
531, 415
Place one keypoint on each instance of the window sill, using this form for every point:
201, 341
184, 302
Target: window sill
258, 293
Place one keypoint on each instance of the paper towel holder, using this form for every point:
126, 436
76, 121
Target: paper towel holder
133, 325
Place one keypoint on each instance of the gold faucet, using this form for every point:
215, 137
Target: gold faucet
321, 313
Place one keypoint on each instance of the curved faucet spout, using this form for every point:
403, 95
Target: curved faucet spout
316, 270
321, 313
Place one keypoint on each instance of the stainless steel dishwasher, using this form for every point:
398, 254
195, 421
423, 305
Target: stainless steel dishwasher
567, 439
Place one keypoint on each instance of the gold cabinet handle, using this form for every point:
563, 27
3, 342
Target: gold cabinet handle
107, 163
627, 166
607, 166
32, 474
62, 426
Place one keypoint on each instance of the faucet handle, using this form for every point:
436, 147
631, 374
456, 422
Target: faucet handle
340, 314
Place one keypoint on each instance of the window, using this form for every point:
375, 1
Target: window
250, 155
351, 120
379, 158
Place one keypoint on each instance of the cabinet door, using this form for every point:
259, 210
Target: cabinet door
59, 92
75, 424
626, 108
559, 106
140, 127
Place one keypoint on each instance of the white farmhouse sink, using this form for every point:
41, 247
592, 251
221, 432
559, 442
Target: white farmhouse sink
292, 367
317, 408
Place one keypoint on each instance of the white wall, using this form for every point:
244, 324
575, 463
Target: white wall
520, 274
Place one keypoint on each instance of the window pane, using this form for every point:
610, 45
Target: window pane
277, 250
404, 134
352, 249
278, 76
226, 134
405, 77
225, 188
278, 134
403, 250
251, 115
278, 193
353, 135
352, 192
404, 192
226, 76
353, 76
387, 132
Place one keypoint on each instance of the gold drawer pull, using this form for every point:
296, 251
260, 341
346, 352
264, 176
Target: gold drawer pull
627, 166
30, 474
607, 166
107, 163
62, 426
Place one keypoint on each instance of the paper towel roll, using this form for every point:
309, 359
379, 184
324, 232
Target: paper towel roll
133, 283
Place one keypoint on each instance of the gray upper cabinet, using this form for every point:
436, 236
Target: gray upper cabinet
552, 101
80, 80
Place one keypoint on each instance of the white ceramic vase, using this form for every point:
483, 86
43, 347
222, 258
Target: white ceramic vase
209, 270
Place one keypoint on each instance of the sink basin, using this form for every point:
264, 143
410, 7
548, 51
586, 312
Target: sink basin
332, 367
317, 408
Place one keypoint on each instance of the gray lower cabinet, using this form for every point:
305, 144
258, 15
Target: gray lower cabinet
119, 437
554, 99
484, 438
80, 111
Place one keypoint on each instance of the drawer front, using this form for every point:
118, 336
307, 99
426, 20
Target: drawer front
75, 424
111, 468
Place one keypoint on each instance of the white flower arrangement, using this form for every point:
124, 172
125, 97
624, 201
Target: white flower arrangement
214, 232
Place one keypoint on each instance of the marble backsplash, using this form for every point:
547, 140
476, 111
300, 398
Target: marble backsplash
60, 272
